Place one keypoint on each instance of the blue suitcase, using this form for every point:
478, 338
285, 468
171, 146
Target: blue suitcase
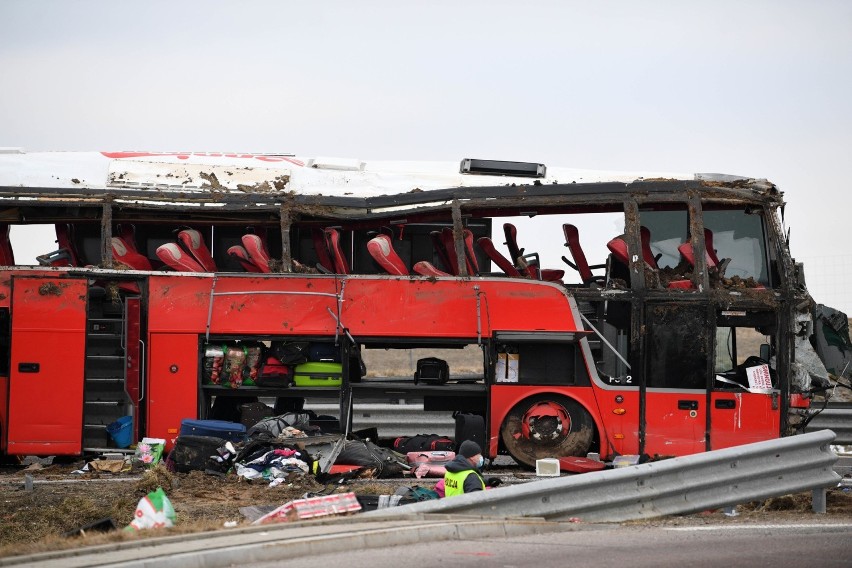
232, 431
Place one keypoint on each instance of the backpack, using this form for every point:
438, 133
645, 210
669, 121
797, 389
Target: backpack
387, 463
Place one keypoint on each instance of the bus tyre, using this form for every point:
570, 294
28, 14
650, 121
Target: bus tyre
547, 426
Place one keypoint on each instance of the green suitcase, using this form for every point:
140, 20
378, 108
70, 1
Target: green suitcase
318, 374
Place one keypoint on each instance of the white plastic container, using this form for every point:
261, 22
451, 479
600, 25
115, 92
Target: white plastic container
547, 467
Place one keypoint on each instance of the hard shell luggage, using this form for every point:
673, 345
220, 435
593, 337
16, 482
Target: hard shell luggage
580, 464
432, 370
232, 431
470, 427
324, 352
196, 453
430, 457
318, 374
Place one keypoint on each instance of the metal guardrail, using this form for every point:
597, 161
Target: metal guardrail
393, 420
690, 484
837, 417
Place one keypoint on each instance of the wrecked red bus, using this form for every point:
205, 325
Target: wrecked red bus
164, 262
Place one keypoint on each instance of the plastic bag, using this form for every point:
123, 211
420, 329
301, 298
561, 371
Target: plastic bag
153, 511
149, 451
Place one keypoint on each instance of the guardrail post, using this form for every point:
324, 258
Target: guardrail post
819, 500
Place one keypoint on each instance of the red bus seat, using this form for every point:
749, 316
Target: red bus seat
519, 259
647, 253
618, 248
438, 245
239, 253
425, 268
176, 258
472, 263
511, 234
710, 258
487, 246
123, 253
127, 233
321, 248
257, 252
7, 255
381, 249
193, 242
551, 274
450, 249
580, 264
332, 240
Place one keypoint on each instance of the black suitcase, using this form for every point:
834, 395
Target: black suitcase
432, 370
193, 453
324, 353
470, 427
254, 412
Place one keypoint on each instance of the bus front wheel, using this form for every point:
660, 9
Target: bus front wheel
547, 426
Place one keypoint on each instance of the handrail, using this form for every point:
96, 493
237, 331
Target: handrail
689, 484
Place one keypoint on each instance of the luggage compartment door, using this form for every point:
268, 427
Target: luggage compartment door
47, 364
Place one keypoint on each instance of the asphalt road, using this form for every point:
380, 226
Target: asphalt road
824, 545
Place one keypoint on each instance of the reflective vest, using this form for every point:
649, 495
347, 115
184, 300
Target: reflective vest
454, 482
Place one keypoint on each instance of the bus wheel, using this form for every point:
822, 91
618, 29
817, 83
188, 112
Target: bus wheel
547, 426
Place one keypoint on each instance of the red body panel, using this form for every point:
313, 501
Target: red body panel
46, 367
172, 383
300, 305
746, 418
674, 431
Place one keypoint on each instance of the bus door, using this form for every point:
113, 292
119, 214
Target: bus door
46, 366
745, 400
677, 349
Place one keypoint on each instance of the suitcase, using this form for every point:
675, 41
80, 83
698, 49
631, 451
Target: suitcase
432, 458
253, 412
470, 427
324, 352
328, 424
231, 431
432, 370
196, 453
580, 465
318, 374
422, 443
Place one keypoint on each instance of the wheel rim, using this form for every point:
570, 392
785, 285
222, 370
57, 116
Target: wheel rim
546, 422
546, 426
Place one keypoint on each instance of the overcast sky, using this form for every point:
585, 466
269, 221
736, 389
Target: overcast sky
758, 88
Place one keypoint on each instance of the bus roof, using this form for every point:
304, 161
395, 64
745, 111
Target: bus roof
173, 178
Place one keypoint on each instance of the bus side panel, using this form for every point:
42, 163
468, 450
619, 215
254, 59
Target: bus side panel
172, 383
675, 422
47, 366
619, 415
743, 418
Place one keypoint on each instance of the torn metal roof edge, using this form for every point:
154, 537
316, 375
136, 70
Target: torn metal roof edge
251, 181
